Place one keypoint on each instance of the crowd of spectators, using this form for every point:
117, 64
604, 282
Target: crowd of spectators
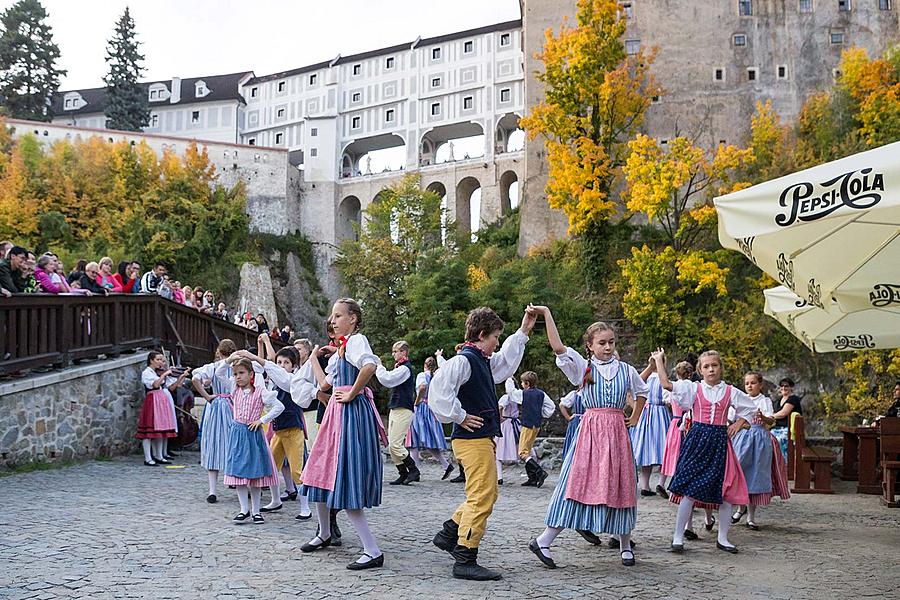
21, 272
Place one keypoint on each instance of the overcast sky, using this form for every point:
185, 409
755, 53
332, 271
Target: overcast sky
189, 38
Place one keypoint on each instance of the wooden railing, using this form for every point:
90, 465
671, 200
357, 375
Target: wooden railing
40, 330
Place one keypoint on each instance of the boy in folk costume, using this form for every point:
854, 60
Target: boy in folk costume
535, 406
402, 404
463, 392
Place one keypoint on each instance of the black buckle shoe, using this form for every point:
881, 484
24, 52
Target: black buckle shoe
311, 547
661, 491
258, 519
628, 561
537, 549
728, 549
677, 548
240, 518
372, 563
690, 535
289, 496
273, 509
447, 472
646, 493
212, 499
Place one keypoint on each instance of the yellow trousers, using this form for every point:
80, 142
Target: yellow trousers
289, 443
479, 458
526, 441
399, 420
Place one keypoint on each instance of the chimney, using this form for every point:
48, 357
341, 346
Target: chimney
175, 96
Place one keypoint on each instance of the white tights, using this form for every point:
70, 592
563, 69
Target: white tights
684, 515
357, 518
499, 470
213, 476
153, 448
249, 495
546, 538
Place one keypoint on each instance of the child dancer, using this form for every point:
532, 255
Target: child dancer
534, 405
401, 379
344, 469
648, 438
510, 428
708, 470
218, 415
426, 432
249, 465
463, 393
674, 436
596, 490
156, 422
289, 435
759, 454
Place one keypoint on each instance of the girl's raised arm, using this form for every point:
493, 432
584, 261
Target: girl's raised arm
552, 331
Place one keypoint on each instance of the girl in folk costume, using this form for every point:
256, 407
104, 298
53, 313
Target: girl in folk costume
218, 415
156, 422
344, 469
510, 428
249, 465
708, 470
648, 438
288, 440
680, 423
425, 432
596, 490
759, 454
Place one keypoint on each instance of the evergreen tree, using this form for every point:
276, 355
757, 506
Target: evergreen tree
126, 101
28, 73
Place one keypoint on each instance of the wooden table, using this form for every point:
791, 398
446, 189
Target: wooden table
861, 458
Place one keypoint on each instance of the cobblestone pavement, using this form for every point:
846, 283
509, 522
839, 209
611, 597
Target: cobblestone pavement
117, 529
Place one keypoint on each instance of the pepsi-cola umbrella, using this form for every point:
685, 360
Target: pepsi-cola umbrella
828, 331
832, 231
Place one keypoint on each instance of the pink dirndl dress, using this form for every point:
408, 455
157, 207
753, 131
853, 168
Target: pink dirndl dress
705, 445
673, 441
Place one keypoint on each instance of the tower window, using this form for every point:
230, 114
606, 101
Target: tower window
719, 75
751, 74
389, 62
505, 95
435, 54
357, 69
505, 39
389, 115
355, 123
469, 47
435, 109
468, 103
739, 39
745, 8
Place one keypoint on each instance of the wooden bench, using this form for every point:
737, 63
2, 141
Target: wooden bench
890, 451
812, 464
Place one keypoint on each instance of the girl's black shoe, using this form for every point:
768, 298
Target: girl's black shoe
273, 509
289, 496
372, 563
240, 518
690, 535
258, 519
311, 547
150, 463
211, 499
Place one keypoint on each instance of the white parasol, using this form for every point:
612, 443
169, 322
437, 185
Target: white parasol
832, 231
828, 331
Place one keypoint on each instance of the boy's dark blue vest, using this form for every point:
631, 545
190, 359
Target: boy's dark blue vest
404, 395
478, 396
532, 403
292, 416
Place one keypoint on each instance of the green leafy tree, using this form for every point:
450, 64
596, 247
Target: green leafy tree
126, 101
28, 73
399, 230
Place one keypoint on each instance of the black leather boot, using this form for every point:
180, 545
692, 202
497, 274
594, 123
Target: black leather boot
539, 474
467, 567
461, 478
401, 468
529, 468
446, 538
413, 473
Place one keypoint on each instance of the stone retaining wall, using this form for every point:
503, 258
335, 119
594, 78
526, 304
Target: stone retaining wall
87, 411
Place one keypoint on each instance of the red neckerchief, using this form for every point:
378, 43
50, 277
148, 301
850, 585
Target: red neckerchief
401, 362
471, 345
342, 341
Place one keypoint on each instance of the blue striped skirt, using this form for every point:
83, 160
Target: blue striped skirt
754, 451
360, 467
571, 433
425, 432
648, 437
215, 427
571, 514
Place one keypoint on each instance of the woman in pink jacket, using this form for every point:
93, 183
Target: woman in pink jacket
49, 280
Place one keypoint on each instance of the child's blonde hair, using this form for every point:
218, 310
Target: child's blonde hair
529, 377
710, 354
592, 330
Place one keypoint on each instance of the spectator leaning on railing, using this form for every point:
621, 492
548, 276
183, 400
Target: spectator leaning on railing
77, 272
105, 276
126, 277
151, 279
88, 280
12, 271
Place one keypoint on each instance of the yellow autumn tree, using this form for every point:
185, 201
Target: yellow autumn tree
595, 99
673, 188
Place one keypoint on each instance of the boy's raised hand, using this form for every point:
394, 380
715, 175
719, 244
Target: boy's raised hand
529, 319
